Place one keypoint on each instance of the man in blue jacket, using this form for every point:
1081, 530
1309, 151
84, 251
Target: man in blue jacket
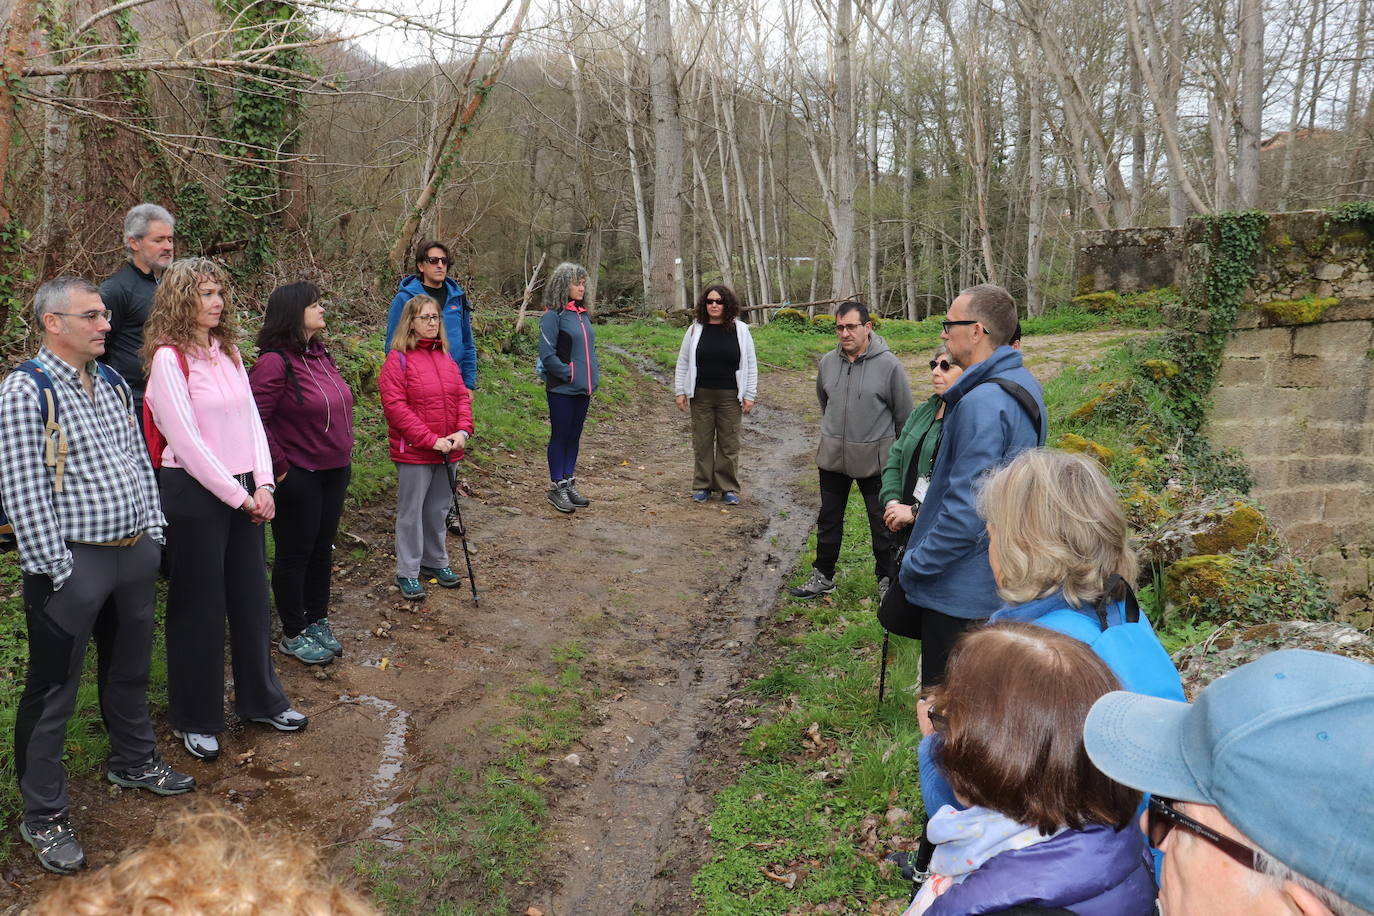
988, 420
431, 278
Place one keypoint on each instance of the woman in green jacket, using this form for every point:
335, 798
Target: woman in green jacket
905, 478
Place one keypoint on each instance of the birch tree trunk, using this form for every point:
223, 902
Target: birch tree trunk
636, 181
1295, 109
1035, 209
1251, 104
666, 242
843, 283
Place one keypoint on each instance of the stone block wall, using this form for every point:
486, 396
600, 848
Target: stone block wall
1295, 394
1128, 260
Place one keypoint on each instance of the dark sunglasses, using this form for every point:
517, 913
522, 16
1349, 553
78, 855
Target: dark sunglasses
938, 720
944, 364
714, 301
444, 261
1163, 817
954, 324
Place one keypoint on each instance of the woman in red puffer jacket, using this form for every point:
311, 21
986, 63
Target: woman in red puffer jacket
429, 419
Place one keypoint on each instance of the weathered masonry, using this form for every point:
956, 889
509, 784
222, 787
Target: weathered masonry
1295, 394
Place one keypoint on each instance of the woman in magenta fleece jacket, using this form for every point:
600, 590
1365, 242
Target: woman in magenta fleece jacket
429, 419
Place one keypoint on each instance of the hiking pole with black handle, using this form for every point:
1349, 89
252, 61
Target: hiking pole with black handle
463, 536
882, 671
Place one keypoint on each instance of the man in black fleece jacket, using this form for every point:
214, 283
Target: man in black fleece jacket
128, 293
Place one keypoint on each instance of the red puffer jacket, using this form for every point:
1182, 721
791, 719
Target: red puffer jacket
424, 399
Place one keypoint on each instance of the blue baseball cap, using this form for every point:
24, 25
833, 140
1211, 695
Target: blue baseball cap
1283, 746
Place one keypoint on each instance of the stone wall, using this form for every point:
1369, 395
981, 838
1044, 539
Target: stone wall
1128, 260
1296, 390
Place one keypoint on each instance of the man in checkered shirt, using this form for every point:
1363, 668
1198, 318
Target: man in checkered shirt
88, 528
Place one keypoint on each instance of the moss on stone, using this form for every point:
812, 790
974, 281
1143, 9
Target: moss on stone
1204, 577
1118, 395
824, 323
1352, 238
1241, 527
790, 315
1159, 369
1085, 285
1297, 311
1105, 301
1082, 445
1281, 244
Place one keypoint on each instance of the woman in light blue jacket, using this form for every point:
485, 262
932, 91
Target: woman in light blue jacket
717, 378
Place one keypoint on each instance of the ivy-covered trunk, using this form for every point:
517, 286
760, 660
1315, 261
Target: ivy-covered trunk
263, 122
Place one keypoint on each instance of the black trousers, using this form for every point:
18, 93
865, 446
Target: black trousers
109, 596
939, 633
830, 523
309, 506
218, 575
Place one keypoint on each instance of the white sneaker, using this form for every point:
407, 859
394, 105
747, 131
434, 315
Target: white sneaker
203, 747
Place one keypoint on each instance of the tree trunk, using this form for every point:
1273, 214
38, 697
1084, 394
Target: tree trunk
842, 279
908, 215
1251, 103
666, 243
636, 181
1295, 110
1035, 210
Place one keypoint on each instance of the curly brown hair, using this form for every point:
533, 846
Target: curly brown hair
172, 319
728, 299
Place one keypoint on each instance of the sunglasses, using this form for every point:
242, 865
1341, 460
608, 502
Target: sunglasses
1164, 817
944, 365
938, 720
713, 301
954, 324
444, 261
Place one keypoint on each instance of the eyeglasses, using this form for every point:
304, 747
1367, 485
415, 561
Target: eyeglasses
713, 301
938, 720
92, 316
954, 324
426, 318
436, 261
943, 364
850, 328
1163, 817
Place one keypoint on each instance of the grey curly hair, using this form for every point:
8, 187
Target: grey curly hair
560, 281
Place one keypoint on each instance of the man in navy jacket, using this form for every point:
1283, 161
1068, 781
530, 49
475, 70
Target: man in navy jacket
945, 572
432, 263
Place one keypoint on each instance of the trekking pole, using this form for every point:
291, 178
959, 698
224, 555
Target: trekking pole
882, 671
467, 558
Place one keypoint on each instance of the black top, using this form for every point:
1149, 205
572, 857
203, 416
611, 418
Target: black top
128, 294
439, 295
717, 357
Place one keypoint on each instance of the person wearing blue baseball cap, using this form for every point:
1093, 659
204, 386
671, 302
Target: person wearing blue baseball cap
1262, 789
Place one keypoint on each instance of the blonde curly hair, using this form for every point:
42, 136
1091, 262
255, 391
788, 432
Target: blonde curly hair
208, 864
176, 305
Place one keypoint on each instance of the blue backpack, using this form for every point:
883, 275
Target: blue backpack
1129, 645
54, 436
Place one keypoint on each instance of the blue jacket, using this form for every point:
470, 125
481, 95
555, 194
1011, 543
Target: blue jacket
945, 567
567, 351
457, 312
1096, 871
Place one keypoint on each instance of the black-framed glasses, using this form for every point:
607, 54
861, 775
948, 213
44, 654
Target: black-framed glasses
954, 324
943, 364
92, 316
1164, 817
938, 720
714, 301
436, 261
426, 318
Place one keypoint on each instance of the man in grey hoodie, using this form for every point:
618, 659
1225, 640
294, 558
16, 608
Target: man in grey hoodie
865, 400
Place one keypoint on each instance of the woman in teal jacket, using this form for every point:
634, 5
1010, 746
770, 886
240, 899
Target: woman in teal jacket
905, 478
567, 355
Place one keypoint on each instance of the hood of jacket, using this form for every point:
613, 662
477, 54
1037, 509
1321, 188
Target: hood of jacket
414, 284
1096, 871
1002, 361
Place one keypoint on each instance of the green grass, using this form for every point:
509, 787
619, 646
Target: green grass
478, 835
798, 807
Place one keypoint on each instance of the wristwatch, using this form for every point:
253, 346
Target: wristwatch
269, 487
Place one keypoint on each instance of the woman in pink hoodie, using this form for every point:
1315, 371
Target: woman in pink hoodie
217, 486
429, 419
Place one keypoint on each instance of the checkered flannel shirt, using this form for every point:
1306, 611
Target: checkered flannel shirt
108, 489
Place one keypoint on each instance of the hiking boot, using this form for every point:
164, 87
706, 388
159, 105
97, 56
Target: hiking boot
452, 524
411, 589
884, 584
730, 498
322, 633
444, 575
558, 496
288, 720
155, 776
906, 864
700, 496
198, 745
815, 585
574, 497
55, 842
305, 649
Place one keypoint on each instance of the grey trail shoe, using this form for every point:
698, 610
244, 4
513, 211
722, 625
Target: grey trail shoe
815, 585
574, 497
55, 842
558, 496
155, 776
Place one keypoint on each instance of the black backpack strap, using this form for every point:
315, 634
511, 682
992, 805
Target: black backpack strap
290, 371
1027, 402
1118, 589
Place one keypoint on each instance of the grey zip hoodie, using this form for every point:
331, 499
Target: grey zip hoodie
864, 405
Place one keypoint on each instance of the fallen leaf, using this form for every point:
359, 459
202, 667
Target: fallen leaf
382, 665
788, 880
534, 911
246, 756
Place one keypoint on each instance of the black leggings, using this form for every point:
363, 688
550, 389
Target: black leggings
309, 506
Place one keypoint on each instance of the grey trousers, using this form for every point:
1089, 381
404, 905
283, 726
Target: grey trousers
716, 420
422, 499
109, 595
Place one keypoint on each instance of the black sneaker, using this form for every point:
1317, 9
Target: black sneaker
155, 776
55, 842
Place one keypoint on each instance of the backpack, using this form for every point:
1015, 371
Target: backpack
54, 436
1130, 647
152, 436
290, 371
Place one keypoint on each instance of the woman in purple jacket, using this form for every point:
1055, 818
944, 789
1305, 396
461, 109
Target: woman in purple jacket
1042, 826
307, 413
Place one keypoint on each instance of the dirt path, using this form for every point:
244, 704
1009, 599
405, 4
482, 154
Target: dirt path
665, 596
